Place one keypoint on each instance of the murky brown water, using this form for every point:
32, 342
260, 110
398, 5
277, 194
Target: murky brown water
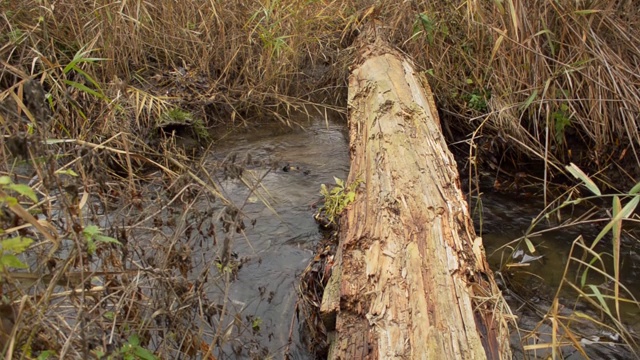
280, 245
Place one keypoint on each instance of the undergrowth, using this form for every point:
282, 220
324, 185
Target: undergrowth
526, 80
83, 86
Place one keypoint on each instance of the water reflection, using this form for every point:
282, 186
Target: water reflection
279, 245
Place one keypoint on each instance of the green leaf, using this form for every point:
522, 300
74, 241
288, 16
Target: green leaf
617, 225
583, 277
106, 239
255, 324
561, 122
91, 246
626, 211
426, 24
634, 190
16, 245
143, 353
78, 58
338, 181
345, 203
24, 190
91, 231
10, 260
5, 180
351, 196
90, 79
532, 249
134, 340
46, 354
84, 88
600, 297
579, 174
529, 100
67, 172
426, 21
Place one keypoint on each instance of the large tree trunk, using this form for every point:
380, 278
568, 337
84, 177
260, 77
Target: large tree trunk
411, 280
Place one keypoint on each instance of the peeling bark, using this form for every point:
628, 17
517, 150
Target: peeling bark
411, 280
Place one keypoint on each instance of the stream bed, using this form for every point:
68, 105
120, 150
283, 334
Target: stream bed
286, 166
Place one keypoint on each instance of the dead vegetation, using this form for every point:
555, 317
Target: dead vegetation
104, 268
94, 96
551, 81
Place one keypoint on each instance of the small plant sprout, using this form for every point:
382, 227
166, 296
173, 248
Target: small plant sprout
10, 248
337, 199
92, 233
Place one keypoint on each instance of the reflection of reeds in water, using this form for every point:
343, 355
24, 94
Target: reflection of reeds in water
593, 304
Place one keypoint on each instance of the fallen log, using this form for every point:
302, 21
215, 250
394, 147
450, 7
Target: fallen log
411, 280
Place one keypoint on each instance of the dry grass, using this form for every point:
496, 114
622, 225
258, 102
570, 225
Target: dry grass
593, 302
111, 271
552, 81
556, 81
229, 62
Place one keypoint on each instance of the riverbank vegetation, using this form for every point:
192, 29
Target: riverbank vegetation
98, 98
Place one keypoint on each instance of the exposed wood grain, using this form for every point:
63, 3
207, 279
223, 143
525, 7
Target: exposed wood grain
413, 280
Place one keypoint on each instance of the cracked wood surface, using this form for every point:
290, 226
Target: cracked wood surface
411, 280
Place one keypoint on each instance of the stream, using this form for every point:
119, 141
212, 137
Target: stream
281, 235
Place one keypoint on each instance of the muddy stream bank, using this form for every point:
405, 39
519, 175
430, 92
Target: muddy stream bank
287, 166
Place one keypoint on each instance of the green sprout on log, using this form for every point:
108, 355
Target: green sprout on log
337, 199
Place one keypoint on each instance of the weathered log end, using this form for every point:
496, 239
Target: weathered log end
411, 278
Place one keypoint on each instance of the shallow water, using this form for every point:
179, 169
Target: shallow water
532, 286
281, 243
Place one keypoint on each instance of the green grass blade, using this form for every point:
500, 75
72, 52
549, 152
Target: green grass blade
84, 88
623, 214
579, 174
